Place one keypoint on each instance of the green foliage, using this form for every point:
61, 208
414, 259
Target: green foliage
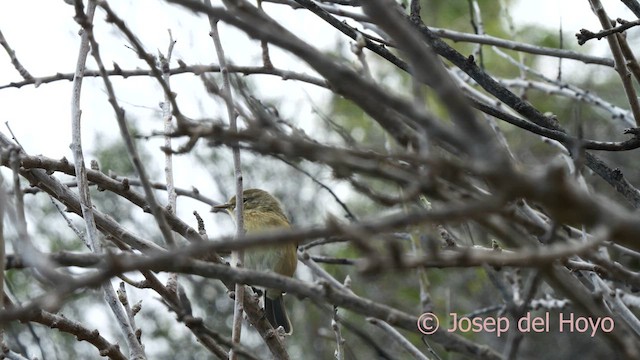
112, 155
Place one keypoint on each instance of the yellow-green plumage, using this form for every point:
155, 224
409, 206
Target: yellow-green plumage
262, 212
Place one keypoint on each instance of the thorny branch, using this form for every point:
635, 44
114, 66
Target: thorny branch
450, 186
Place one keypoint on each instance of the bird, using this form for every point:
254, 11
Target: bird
263, 212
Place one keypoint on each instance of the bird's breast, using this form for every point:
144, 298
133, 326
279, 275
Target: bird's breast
280, 258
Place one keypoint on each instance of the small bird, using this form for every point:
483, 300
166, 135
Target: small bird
263, 212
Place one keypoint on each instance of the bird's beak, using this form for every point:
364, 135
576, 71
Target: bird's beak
220, 207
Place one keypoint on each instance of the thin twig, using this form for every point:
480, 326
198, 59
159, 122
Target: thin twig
14, 59
340, 341
633, 5
618, 57
237, 256
585, 35
124, 130
183, 69
395, 335
136, 350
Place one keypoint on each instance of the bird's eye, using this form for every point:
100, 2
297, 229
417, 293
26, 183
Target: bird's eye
244, 200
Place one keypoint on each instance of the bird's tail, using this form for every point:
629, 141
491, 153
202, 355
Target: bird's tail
276, 313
